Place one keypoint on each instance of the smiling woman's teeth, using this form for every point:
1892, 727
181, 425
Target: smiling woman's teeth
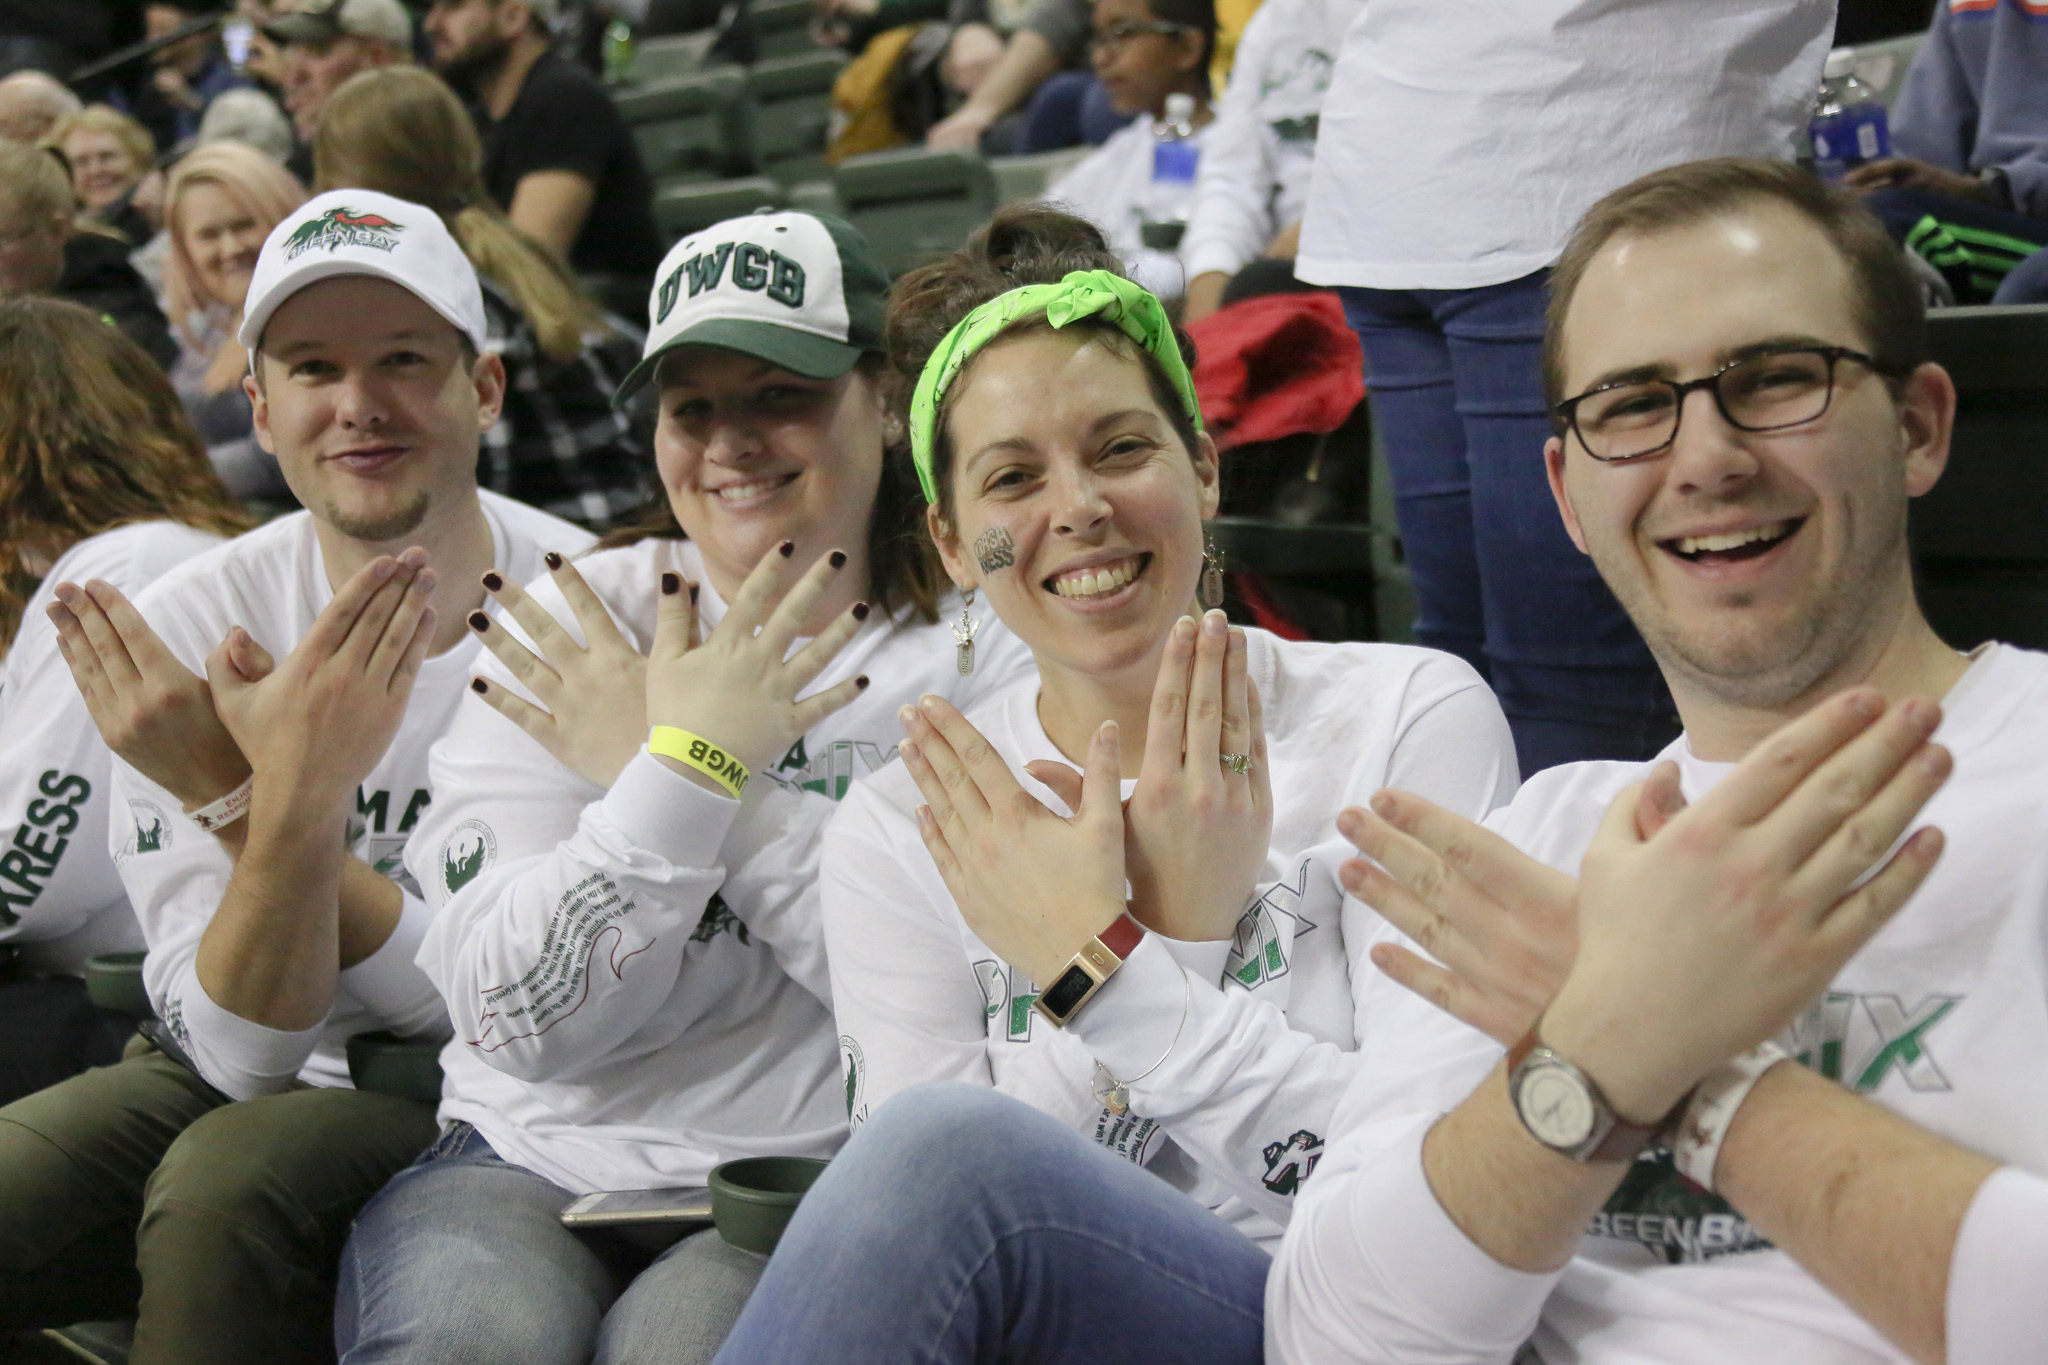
1733, 540
1094, 583
753, 488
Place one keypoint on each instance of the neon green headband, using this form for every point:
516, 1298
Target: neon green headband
1082, 294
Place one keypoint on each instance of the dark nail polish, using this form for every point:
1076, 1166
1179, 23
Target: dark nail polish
787, 548
552, 560
493, 583
861, 682
860, 611
693, 594
479, 621
479, 686
671, 584
839, 559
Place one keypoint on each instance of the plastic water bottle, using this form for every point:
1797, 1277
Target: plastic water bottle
1175, 158
1849, 125
618, 51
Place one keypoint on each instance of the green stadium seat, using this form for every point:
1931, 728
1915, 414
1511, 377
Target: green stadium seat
689, 126
681, 209
1026, 177
816, 196
385, 1064
913, 203
659, 59
790, 110
1979, 554
782, 27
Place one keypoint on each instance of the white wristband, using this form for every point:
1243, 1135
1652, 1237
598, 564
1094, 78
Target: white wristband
1712, 1109
224, 812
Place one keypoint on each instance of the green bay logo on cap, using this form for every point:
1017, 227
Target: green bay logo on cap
339, 227
754, 268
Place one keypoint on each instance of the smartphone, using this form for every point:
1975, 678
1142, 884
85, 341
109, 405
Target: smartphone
638, 1208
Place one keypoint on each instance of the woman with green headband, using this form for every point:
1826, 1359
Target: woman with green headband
1163, 976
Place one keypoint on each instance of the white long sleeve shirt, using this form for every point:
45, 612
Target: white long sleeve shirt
637, 975
273, 583
1260, 152
1246, 1094
1942, 1017
60, 896
1110, 188
1462, 139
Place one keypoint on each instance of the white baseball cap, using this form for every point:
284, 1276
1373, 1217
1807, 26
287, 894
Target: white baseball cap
802, 291
322, 21
362, 232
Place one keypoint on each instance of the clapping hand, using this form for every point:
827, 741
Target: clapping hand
593, 697
153, 712
1034, 886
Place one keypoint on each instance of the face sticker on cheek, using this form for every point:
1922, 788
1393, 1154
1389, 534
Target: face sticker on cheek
993, 549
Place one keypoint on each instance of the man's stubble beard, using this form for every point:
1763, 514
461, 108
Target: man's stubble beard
382, 530
476, 64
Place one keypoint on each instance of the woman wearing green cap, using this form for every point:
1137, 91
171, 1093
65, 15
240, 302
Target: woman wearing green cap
1165, 975
623, 845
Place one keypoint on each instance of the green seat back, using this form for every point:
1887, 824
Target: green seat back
782, 27
914, 204
688, 126
681, 209
791, 112
659, 59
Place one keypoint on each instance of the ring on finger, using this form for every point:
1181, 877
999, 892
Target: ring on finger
1237, 763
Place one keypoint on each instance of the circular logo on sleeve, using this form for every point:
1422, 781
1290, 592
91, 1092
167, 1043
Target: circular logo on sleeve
469, 849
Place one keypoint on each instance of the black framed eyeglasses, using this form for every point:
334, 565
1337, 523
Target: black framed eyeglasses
1116, 35
1637, 418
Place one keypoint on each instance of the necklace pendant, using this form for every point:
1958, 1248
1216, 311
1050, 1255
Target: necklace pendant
1118, 1100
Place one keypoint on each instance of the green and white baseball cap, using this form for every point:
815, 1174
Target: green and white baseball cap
799, 290
362, 232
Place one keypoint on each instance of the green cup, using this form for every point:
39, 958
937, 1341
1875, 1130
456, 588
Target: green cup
113, 981
753, 1198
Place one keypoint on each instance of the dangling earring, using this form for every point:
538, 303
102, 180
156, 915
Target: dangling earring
963, 634
1212, 573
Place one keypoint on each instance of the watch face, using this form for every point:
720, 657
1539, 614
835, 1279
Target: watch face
1062, 995
1555, 1106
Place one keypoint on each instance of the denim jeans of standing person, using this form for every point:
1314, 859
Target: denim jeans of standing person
1457, 393
463, 1257
960, 1225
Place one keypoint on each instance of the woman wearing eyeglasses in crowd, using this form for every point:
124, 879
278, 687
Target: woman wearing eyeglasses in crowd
968, 919
629, 943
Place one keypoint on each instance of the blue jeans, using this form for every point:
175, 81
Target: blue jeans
960, 1225
463, 1257
1071, 109
1457, 390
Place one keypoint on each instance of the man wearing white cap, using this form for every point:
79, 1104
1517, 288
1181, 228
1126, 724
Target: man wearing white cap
325, 42
271, 723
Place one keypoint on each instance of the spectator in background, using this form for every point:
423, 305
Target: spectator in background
31, 102
1460, 140
111, 155
1969, 192
558, 443
102, 478
186, 75
1143, 51
45, 250
556, 153
1259, 157
248, 116
223, 201
325, 42
1053, 34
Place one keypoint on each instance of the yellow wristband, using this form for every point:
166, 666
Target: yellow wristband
701, 754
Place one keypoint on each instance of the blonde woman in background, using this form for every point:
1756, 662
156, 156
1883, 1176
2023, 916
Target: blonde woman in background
113, 160
222, 202
559, 445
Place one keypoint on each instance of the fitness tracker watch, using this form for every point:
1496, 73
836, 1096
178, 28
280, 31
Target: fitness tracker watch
1565, 1111
1086, 970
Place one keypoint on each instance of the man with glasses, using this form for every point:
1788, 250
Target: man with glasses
1617, 1163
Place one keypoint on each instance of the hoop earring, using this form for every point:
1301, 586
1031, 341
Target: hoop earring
963, 634
1212, 573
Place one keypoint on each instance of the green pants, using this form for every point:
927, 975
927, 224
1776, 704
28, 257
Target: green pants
138, 1189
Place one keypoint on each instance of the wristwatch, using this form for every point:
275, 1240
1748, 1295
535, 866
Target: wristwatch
1565, 1111
1088, 969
